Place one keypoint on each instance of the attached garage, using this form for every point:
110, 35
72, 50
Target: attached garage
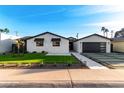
93, 44
94, 47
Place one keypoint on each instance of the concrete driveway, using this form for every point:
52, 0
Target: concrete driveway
61, 78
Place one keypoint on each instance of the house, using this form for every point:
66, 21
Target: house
6, 42
92, 44
47, 41
118, 44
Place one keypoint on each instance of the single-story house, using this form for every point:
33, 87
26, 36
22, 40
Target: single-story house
6, 42
56, 44
49, 42
93, 43
118, 44
5, 45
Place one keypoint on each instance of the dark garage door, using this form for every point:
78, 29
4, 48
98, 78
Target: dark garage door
94, 47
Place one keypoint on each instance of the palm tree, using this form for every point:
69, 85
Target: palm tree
19, 43
3, 31
106, 31
6, 30
103, 30
112, 33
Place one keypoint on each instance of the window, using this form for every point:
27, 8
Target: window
103, 47
39, 41
56, 43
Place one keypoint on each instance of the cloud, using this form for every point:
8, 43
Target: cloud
115, 25
96, 9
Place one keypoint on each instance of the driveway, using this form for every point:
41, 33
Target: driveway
111, 60
61, 78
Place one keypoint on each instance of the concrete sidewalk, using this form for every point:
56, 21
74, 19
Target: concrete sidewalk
61, 78
88, 62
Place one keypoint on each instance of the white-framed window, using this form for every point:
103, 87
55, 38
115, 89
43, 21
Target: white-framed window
39, 41
56, 41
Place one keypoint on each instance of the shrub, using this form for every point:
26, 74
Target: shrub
34, 52
44, 52
3, 53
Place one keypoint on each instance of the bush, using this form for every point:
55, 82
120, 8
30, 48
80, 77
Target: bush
34, 52
44, 52
3, 53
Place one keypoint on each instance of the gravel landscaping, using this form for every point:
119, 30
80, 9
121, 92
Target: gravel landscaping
111, 60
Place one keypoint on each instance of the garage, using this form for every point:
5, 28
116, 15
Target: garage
93, 44
93, 47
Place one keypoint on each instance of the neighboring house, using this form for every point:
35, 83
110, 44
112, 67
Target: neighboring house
52, 43
6, 43
118, 44
93, 43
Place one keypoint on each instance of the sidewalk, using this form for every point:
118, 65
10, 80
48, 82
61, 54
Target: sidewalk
61, 78
88, 62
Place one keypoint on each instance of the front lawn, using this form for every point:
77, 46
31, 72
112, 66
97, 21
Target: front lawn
37, 58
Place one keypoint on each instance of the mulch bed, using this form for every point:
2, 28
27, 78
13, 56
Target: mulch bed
43, 66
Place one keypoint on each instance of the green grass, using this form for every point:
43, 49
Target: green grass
37, 58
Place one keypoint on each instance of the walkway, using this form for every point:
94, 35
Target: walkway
88, 62
61, 78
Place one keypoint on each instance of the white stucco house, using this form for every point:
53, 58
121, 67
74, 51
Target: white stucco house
56, 44
93, 43
47, 41
6, 42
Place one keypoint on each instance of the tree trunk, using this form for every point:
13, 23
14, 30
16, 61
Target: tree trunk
18, 48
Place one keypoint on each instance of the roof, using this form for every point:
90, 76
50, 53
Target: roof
118, 39
72, 39
94, 35
47, 33
25, 38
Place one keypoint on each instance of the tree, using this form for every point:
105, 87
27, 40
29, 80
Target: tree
112, 32
6, 30
106, 32
20, 43
103, 30
3, 31
119, 33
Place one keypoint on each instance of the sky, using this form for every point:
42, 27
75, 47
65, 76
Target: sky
65, 20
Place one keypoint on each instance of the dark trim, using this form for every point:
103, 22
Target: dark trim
39, 39
47, 33
56, 39
93, 35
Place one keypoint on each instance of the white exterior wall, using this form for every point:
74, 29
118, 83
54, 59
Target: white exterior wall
63, 48
78, 44
6, 45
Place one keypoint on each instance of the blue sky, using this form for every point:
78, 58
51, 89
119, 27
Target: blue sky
63, 20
